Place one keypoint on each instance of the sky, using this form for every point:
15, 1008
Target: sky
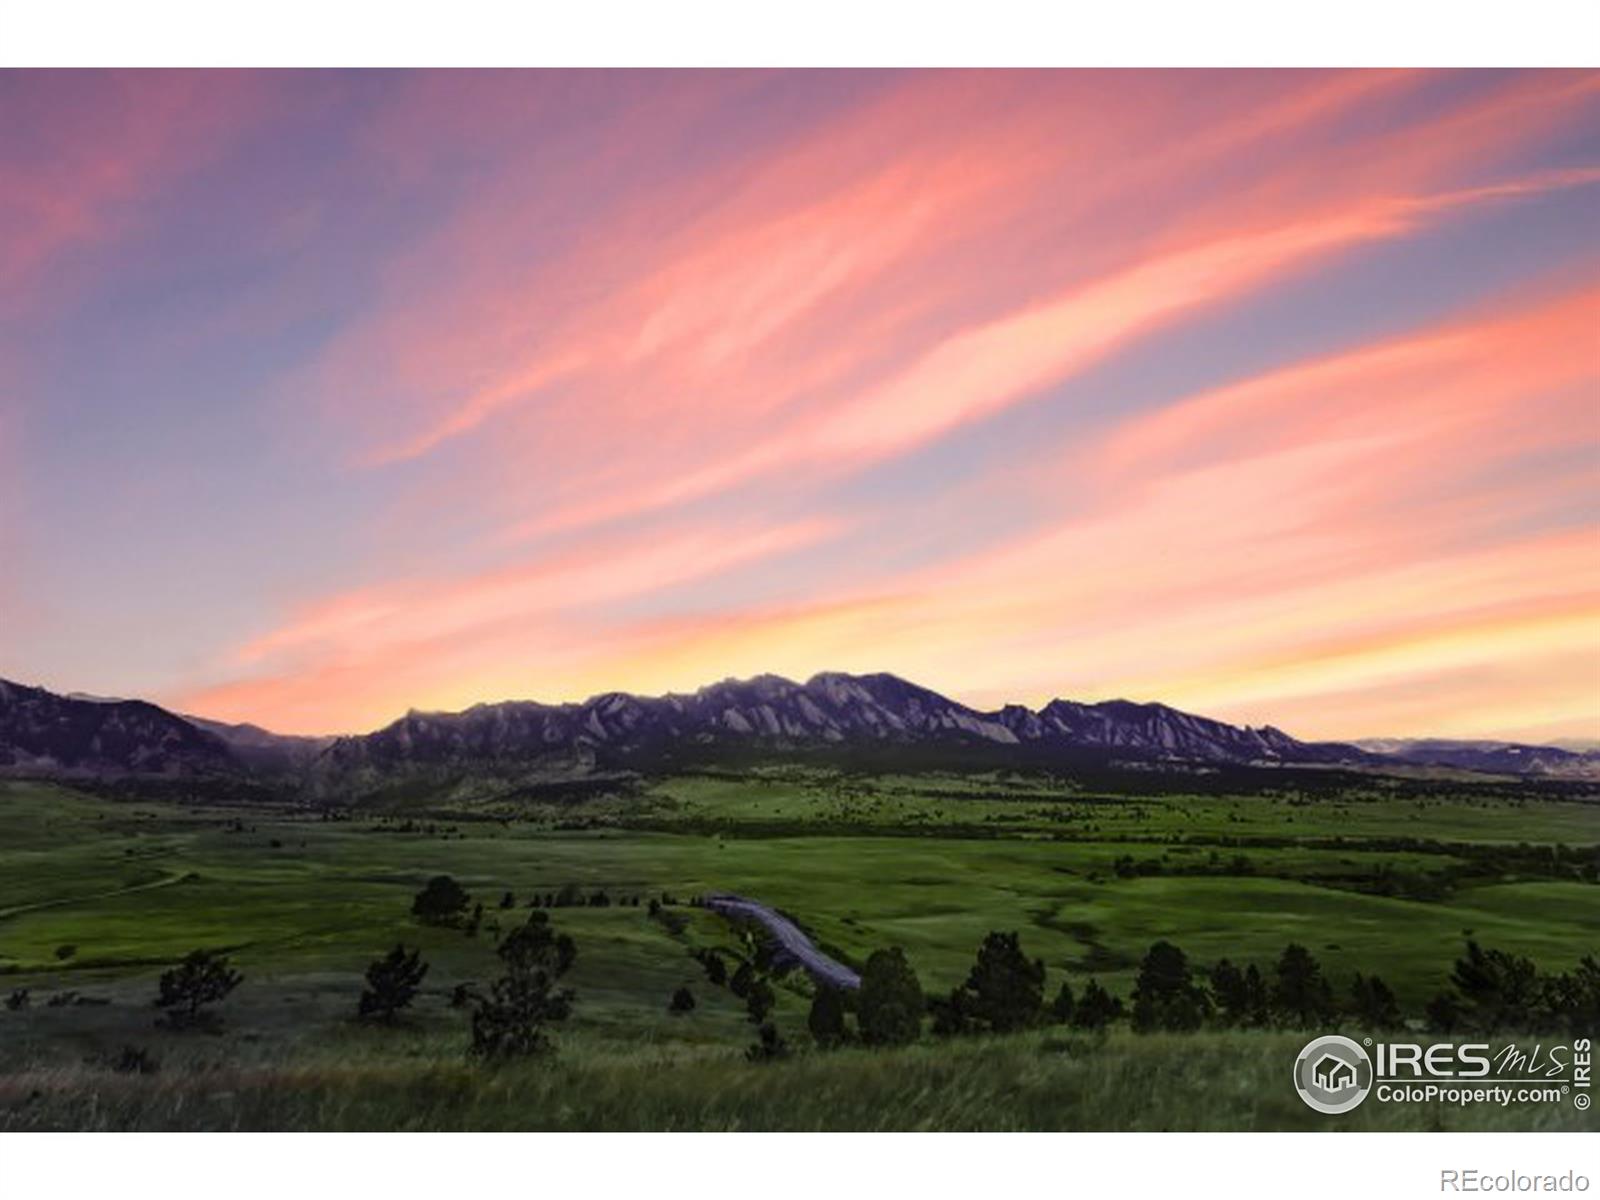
1274, 396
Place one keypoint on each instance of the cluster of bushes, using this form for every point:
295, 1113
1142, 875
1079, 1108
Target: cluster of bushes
445, 902
511, 1018
711, 962
1493, 990
571, 895
1005, 991
426, 828
751, 982
1490, 990
673, 922
21, 998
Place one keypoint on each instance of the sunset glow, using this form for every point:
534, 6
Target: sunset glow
1274, 396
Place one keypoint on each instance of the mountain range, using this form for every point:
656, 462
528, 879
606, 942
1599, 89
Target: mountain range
43, 734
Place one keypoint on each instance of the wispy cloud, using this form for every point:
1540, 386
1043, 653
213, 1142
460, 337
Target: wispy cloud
450, 387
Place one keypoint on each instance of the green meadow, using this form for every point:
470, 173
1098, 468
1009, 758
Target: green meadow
99, 896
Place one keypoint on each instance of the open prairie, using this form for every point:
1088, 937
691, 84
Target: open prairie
100, 895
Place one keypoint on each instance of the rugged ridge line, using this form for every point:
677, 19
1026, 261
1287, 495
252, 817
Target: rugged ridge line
828, 710
516, 742
42, 733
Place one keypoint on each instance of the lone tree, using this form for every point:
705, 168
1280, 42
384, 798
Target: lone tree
1165, 996
889, 1005
1301, 997
1373, 1002
510, 1021
392, 983
1241, 996
442, 901
1096, 1008
682, 1001
1005, 989
203, 977
826, 1020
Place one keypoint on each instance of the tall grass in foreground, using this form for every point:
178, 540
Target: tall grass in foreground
1033, 1081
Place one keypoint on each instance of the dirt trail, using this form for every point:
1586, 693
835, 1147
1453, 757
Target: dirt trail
164, 881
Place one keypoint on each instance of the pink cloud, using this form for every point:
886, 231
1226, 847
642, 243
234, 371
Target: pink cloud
981, 370
748, 348
874, 281
99, 144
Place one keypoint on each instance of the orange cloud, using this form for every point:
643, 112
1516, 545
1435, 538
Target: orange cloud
412, 639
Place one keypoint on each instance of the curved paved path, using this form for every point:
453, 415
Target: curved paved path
789, 936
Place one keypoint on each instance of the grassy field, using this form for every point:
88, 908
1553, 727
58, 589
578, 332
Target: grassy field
97, 897
1032, 1081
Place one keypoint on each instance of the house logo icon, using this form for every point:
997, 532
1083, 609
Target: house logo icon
1333, 1074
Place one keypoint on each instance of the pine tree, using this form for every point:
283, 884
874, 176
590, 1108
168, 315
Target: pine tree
442, 901
889, 1006
1444, 1013
1241, 996
1165, 996
1498, 990
392, 983
951, 1017
1258, 1001
1573, 997
1061, 1006
1301, 997
1096, 1008
1373, 1003
510, 1021
826, 1020
202, 978
1005, 988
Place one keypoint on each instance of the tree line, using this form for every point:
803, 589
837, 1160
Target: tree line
1006, 991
